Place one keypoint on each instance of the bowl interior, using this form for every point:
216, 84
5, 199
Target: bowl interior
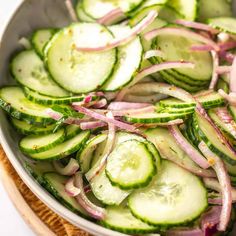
31, 15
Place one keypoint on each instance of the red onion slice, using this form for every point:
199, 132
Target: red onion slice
70, 188
227, 45
231, 98
232, 83
149, 109
100, 104
100, 117
184, 232
225, 184
188, 148
144, 98
153, 53
223, 69
107, 150
71, 10
143, 24
92, 125
203, 48
215, 77
183, 32
111, 17
70, 169
118, 106
93, 210
228, 56
196, 25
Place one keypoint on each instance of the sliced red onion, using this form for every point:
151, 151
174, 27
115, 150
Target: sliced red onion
227, 45
71, 10
184, 232
223, 37
196, 25
210, 219
70, 188
25, 43
153, 53
92, 125
227, 119
215, 77
99, 104
225, 184
232, 84
188, 148
118, 106
101, 117
231, 98
186, 165
223, 69
144, 98
88, 99
183, 32
228, 56
149, 109
107, 150
93, 210
203, 93
143, 24
71, 168
111, 17
203, 48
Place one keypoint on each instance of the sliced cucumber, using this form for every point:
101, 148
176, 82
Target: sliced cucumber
188, 8
169, 14
81, 14
187, 110
28, 69
176, 48
25, 128
55, 184
232, 111
131, 165
222, 84
37, 169
40, 143
46, 100
64, 149
169, 199
40, 38
213, 99
120, 218
14, 102
86, 154
106, 192
129, 60
152, 118
77, 71
72, 131
224, 24
99, 8
218, 9
208, 134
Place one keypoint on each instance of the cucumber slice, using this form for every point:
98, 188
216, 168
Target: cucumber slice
25, 128
176, 48
86, 154
81, 14
208, 134
37, 169
40, 38
232, 111
99, 8
169, 199
106, 192
129, 60
224, 24
187, 110
152, 118
188, 8
72, 131
212, 100
77, 71
218, 9
120, 218
28, 69
40, 143
55, 184
131, 165
64, 149
14, 102
46, 100
169, 14
222, 84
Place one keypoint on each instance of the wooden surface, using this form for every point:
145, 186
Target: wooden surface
38, 216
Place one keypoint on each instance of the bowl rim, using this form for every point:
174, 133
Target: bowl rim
39, 191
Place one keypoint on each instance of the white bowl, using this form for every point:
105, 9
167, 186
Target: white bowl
28, 16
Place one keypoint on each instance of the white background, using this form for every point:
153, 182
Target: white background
11, 223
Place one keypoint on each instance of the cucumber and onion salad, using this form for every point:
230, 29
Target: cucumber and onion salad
128, 115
